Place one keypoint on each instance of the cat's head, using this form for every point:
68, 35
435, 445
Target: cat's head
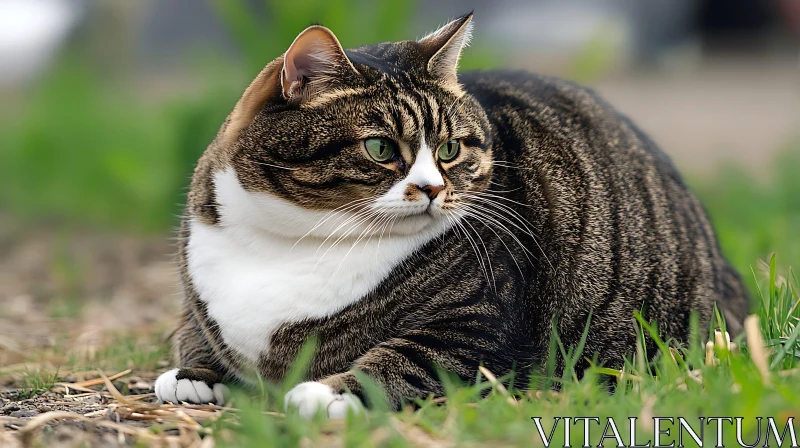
327, 141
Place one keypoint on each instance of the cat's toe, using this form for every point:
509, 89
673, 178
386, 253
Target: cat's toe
310, 397
174, 387
166, 386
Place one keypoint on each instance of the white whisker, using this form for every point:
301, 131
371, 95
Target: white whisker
505, 245
488, 255
277, 166
338, 210
507, 214
474, 248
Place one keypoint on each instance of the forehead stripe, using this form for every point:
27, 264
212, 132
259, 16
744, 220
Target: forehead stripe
409, 109
423, 109
440, 118
431, 112
397, 117
448, 127
391, 85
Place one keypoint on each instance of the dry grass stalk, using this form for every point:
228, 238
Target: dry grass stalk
186, 419
540, 394
112, 389
68, 386
497, 385
28, 432
84, 386
646, 414
623, 375
416, 436
719, 340
711, 358
756, 348
101, 380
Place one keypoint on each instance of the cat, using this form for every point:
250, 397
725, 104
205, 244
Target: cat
411, 219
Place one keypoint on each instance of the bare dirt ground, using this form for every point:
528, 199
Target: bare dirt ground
78, 285
67, 300
736, 110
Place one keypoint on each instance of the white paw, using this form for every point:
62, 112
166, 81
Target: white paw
312, 396
169, 388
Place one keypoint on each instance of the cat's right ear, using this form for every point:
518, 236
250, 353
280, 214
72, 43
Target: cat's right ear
315, 61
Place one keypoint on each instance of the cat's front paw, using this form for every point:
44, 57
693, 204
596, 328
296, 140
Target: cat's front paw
313, 396
190, 386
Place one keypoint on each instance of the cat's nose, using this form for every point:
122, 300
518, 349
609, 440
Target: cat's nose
432, 190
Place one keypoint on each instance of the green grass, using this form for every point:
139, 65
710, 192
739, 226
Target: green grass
126, 351
86, 152
36, 382
85, 149
678, 385
756, 215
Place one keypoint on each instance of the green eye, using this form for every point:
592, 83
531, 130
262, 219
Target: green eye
449, 151
380, 149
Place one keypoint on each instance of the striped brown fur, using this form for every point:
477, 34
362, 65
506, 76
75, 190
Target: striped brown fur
597, 221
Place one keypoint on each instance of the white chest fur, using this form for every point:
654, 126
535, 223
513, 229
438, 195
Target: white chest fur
254, 280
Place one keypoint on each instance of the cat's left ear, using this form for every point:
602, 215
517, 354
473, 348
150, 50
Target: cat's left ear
443, 49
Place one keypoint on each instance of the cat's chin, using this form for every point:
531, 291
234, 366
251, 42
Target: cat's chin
415, 224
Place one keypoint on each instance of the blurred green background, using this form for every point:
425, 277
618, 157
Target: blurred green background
105, 106
98, 141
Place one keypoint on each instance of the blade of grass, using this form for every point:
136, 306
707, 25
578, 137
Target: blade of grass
662, 347
787, 346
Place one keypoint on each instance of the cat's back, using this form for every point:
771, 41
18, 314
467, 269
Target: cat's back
612, 198
519, 89
529, 106
515, 89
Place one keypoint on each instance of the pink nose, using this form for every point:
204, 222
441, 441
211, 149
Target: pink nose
432, 190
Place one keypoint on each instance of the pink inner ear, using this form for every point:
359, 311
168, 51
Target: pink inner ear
315, 57
298, 61
292, 77
302, 64
307, 56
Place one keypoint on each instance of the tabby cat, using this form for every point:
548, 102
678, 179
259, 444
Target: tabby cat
409, 219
